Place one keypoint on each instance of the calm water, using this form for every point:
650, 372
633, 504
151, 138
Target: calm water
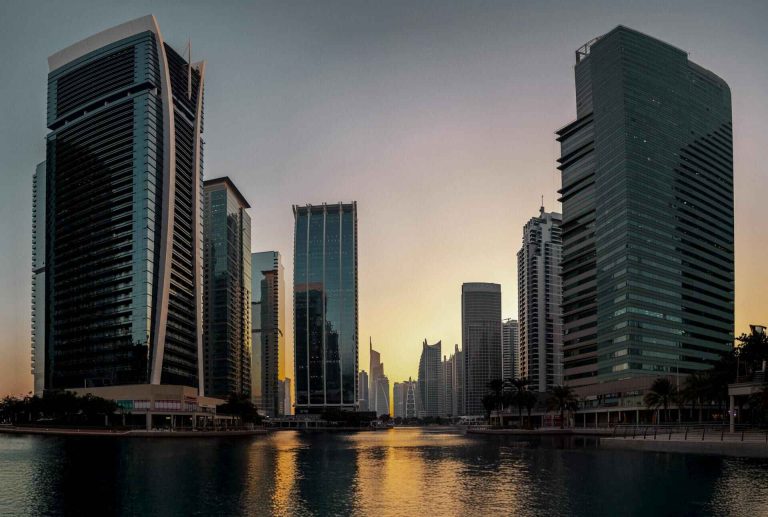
397, 472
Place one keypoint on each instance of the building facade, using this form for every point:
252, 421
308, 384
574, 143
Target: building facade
398, 399
362, 391
325, 307
38, 280
226, 290
285, 407
268, 324
123, 190
430, 368
446, 387
457, 377
379, 390
411, 399
510, 349
539, 302
481, 335
647, 194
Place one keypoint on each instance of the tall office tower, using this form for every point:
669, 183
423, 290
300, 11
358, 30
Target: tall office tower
124, 220
362, 391
457, 376
411, 399
284, 396
325, 306
398, 399
379, 396
268, 324
226, 290
38, 279
429, 380
539, 302
447, 387
481, 333
510, 349
647, 193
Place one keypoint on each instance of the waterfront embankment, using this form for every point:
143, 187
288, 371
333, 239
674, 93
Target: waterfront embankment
133, 433
542, 431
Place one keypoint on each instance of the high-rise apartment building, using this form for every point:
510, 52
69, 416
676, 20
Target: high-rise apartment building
430, 385
539, 302
227, 290
647, 194
362, 391
123, 194
510, 349
325, 306
38, 279
481, 335
268, 325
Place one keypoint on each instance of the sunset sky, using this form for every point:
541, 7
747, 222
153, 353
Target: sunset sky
438, 118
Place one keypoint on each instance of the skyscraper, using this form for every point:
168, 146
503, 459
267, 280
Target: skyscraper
227, 290
510, 349
539, 302
379, 392
325, 306
38, 279
398, 399
457, 376
428, 400
268, 348
411, 399
446, 387
123, 192
647, 193
362, 391
481, 335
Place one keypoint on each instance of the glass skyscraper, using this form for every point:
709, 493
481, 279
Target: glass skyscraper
647, 193
481, 342
430, 367
325, 306
268, 308
227, 290
123, 196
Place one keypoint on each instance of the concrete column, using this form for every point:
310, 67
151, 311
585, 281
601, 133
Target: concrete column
637, 416
732, 416
149, 421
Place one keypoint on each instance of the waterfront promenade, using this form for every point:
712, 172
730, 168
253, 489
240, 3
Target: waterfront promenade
134, 433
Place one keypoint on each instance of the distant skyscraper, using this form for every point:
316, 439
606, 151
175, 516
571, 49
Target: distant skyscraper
446, 387
411, 399
647, 193
268, 340
510, 349
325, 306
362, 391
457, 377
38, 279
123, 191
539, 302
429, 380
379, 392
227, 290
481, 334
284, 395
398, 399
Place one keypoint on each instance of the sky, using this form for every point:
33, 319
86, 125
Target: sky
438, 118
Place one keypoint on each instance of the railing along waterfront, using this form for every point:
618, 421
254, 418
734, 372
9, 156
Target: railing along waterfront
691, 432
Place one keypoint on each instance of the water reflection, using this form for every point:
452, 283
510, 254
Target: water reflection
398, 472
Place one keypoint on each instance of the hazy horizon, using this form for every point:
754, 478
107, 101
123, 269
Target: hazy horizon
438, 118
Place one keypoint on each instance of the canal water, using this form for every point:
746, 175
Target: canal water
395, 472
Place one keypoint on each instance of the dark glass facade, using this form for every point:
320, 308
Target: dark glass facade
325, 306
227, 290
481, 342
647, 193
123, 225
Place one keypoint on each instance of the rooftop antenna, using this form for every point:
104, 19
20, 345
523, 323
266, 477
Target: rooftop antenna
542, 204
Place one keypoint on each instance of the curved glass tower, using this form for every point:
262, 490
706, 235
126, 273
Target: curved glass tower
123, 219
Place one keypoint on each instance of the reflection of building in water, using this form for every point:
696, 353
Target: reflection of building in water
325, 307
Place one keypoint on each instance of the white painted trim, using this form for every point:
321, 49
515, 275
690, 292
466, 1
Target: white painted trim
197, 265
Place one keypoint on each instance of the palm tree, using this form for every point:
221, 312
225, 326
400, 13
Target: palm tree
695, 390
496, 386
527, 399
661, 393
562, 399
489, 402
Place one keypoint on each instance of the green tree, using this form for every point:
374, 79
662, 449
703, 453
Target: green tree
661, 394
239, 404
562, 399
528, 400
489, 403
